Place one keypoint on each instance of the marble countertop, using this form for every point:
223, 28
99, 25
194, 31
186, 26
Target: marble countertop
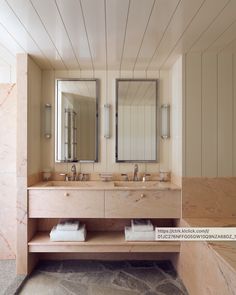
225, 250
109, 185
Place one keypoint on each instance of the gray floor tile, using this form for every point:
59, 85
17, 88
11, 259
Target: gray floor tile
126, 281
104, 278
150, 276
9, 281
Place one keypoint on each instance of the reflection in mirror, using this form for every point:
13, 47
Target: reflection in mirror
76, 120
136, 126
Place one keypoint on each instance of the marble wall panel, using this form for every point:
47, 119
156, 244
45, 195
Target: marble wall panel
209, 197
7, 171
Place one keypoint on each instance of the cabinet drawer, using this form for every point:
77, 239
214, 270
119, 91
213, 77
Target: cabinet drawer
143, 204
66, 203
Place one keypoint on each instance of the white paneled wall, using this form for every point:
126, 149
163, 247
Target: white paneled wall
210, 113
107, 95
34, 117
137, 132
176, 120
86, 136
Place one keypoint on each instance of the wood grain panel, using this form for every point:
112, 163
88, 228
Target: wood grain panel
142, 204
66, 203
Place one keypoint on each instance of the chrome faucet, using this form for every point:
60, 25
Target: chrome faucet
73, 170
135, 175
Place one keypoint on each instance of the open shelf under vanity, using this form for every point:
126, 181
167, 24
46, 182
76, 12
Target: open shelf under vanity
105, 213
100, 242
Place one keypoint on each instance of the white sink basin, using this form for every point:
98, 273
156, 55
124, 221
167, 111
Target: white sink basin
138, 184
78, 184
135, 185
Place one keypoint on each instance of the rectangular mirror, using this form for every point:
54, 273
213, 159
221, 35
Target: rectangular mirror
136, 120
76, 120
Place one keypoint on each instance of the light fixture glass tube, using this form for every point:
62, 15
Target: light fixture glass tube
107, 121
47, 120
165, 121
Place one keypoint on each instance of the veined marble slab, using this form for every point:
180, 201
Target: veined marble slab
226, 251
7, 171
209, 197
208, 268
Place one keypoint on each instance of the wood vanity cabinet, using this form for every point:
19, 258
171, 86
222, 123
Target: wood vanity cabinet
66, 204
143, 204
97, 204
104, 204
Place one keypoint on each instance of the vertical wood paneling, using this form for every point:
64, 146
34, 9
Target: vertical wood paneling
225, 104
209, 115
176, 120
234, 115
210, 126
34, 117
193, 115
136, 132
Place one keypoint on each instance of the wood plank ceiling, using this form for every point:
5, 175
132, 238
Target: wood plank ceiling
113, 34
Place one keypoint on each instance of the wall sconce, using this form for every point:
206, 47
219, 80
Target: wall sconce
106, 120
47, 120
165, 121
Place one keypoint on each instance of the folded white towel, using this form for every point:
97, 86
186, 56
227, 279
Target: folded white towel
131, 235
69, 235
68, 225
140, 225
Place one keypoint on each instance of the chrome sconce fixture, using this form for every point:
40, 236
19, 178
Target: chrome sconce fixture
165, 121
106, 120
47, 120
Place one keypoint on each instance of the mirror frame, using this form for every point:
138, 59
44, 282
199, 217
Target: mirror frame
157, 123
97, 118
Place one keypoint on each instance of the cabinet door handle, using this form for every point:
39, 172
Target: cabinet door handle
142, 196
66, 194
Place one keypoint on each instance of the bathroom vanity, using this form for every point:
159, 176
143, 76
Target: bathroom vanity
94, 140
97, 202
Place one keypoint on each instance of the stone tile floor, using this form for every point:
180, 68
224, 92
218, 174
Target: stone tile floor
104, 278
9, 281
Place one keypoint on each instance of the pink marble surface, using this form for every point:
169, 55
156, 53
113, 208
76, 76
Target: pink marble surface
207, 268
7, 171
209, 197
23, 87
